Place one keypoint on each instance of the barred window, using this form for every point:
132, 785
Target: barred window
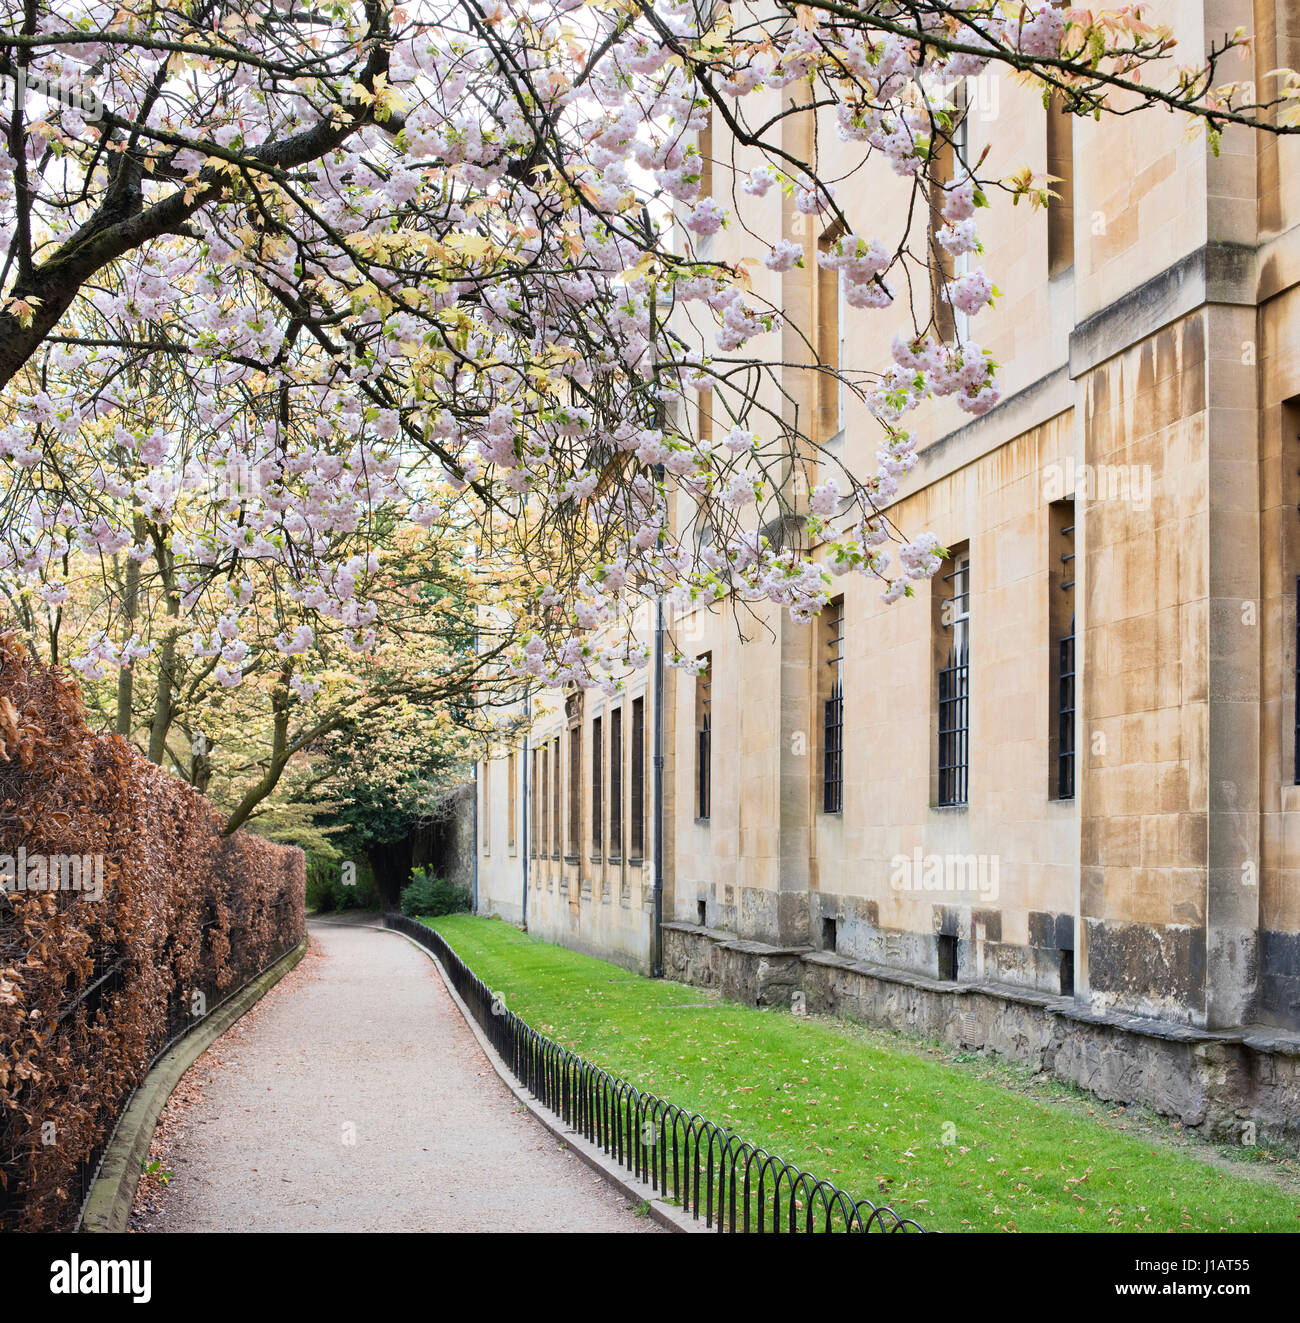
954, 685
1064, 649
616, 783
636, 824
535, 806
597, 785
1065, 715
832, 684
575, 792
1297, 682
703, 739
557, 821
544, 788
512, 799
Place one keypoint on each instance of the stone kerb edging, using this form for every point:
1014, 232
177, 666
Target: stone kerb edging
108, 1204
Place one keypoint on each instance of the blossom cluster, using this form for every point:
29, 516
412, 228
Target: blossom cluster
482, 295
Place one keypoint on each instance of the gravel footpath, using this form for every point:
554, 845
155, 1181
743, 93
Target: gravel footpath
354, 1098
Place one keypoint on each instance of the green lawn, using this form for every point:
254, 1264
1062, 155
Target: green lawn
871, 1112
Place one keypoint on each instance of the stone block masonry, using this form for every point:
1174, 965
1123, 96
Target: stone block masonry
1226, 1086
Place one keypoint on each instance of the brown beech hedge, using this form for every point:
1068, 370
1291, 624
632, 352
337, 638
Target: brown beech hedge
92, 986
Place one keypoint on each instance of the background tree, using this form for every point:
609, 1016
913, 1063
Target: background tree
391, 792
309, 701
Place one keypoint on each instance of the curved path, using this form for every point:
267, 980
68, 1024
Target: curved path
354, 1098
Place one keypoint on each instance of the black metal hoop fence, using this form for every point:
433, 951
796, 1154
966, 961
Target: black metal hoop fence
734, 1185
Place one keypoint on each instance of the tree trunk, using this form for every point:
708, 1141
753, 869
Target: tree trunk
126, 676
279, 754
164, 710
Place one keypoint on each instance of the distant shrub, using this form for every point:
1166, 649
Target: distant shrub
326, 890
426, 896
320, 888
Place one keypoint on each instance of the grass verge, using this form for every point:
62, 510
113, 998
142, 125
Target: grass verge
958, 1142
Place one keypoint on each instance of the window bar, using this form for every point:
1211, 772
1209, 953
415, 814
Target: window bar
545, 787
616, 784
574, 844
833, 742
954, 697
1297, 682
954, 730
636, 826
704, 770
1065, 717
833, 770
1296, 692
703, 804
1065, 689
557, 820
597, 787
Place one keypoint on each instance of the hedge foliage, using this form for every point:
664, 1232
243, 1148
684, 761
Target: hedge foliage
92, 989
429, 897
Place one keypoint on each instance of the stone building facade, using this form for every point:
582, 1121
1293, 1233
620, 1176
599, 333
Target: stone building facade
1051, 804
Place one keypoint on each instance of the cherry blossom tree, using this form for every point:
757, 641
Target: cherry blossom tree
452, 264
